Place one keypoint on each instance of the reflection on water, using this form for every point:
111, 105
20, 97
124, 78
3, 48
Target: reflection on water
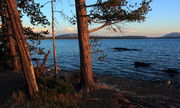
161, 53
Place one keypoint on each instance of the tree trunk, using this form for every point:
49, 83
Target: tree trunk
12, 46
22, 46
54, 41
84, 46
5, 52
15, 60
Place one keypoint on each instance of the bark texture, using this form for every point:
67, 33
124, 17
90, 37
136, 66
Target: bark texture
84, 46
22, 46
15, 60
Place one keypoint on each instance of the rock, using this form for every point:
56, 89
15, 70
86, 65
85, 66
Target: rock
35, 59
171, 72
168, 83
126, 49
141, 64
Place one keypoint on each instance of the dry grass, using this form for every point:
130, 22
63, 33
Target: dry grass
53, 94
20, 100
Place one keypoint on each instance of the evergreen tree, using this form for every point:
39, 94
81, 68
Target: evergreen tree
108, 13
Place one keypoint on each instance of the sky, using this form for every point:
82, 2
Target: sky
164, 18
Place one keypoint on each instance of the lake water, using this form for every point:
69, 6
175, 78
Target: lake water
161, 53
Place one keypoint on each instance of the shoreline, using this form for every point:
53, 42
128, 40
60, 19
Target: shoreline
149, 94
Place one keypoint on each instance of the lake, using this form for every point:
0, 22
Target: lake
160, 53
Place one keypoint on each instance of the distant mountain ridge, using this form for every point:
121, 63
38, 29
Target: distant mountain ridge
75, 35
133, 37
172, 35
69, 35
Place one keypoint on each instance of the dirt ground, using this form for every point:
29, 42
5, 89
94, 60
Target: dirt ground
122, 92
149, 94
9, 81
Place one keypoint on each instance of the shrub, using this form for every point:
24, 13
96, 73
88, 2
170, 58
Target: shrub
51, 85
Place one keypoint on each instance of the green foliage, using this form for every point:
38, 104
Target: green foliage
33, 11
111, 13
51, 85
95, 49
35, 40
52, 94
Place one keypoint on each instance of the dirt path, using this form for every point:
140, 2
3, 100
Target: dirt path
9, 81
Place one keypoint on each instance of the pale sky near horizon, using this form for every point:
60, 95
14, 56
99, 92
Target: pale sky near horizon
164, 18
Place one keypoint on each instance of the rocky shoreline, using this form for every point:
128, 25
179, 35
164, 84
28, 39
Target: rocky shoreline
149, 94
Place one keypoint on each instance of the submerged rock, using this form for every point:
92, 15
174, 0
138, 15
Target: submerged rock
141, 64
126, 49
171, 72
35, 59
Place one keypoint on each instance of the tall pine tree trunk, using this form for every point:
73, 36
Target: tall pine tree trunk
15, 61
84, 46
22, 46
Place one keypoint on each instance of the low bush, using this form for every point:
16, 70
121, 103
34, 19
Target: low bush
49, 84
52, 94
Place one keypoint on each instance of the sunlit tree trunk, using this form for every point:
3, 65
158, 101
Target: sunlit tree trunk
15, 61
54, 40
84, 46
22, 46
12, 46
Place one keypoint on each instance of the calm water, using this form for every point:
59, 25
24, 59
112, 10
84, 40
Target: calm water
161, 53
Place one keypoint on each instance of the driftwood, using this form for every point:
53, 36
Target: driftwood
42, 69
37, 61
39, 72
